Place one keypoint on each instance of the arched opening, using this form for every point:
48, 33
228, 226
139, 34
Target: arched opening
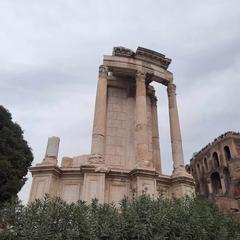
216, 182
198, 166
227, 178
205, 164
198, 171
227, 153
215, 160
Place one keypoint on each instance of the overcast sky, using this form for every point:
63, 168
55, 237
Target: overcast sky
50, 52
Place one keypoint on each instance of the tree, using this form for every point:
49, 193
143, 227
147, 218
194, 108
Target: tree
143, 218
15, 156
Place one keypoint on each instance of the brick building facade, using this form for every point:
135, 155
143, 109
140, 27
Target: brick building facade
216, 171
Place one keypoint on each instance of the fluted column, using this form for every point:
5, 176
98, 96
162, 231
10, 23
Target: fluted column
141, 136
98, 134
155, 136
176, 140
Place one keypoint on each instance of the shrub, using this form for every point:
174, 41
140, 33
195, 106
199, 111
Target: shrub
142, 218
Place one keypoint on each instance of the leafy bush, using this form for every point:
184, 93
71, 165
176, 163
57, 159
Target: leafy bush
142, 218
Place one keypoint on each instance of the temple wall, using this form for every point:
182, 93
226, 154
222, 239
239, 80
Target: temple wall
116, 189
71, 188
120, 111
120, 129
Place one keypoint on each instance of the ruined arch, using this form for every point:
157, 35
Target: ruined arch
216, 182
227, 153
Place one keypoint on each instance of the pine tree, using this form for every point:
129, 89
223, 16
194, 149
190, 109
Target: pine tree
15, 156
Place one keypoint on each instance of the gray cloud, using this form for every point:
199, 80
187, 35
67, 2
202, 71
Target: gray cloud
50, 52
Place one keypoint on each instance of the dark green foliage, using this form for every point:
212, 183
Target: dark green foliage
15, 157
142, 218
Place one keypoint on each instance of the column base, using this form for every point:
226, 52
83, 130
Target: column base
48, 161
182, 185
143, 182
180, 172
145, 164
96, 159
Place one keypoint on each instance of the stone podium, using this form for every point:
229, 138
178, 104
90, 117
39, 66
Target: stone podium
125, 154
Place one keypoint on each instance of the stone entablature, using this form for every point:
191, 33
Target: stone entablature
144, 54
216, 171
125, 153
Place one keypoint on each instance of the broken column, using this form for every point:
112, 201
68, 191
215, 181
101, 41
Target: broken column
51, 154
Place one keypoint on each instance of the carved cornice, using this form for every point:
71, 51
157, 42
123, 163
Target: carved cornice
144, 54
153, 57
143, 172
122, 52
39, 169
103, 71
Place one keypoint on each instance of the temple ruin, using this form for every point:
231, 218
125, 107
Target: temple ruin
125, 154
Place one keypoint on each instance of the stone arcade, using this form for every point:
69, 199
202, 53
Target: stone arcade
125, 154
216, 170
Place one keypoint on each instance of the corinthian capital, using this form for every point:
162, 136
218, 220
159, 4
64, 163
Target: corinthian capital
171, 89
154, 101
103, 71
140, 76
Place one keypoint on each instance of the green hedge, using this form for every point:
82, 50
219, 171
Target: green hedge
142, 218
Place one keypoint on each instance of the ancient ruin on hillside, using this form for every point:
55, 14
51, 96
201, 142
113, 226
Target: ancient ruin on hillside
216, 171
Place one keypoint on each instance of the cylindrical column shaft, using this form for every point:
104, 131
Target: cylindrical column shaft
155, 136
98, 135
141, 122
176, 140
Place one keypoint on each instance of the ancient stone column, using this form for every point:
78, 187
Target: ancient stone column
155, 135
176, 140
141, 132
98, 135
